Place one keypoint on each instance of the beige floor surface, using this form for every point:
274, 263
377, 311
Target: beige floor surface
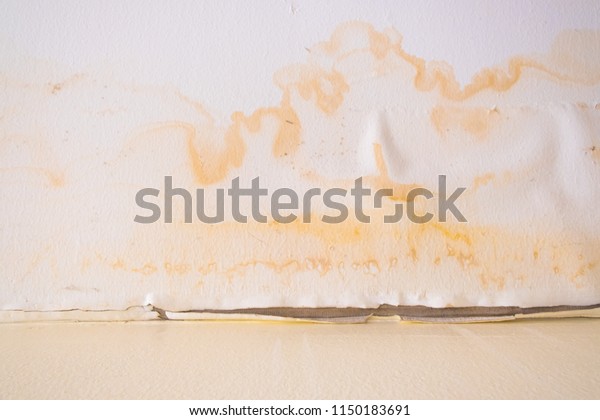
260, 360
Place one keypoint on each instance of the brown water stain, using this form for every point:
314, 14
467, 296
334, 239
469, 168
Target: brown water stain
475, 121
493, 257
483, 256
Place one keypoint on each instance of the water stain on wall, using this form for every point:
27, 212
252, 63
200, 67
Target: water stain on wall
522, 136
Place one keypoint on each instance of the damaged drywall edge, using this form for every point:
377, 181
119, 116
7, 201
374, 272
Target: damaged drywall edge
132, 313
305, 315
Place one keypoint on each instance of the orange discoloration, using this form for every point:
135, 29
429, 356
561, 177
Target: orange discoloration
118, 264
212, 152
57, 87
461, 235
56, 179
321, 265
583, 269
210, 165
475, 121
480, 256
211, 267
288, 136
413, 254
368, 267
440, 77
176, 269
379, 44
240, 268
495, 79
482, 180
349, 232
146, 269
496, 258
327, 89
